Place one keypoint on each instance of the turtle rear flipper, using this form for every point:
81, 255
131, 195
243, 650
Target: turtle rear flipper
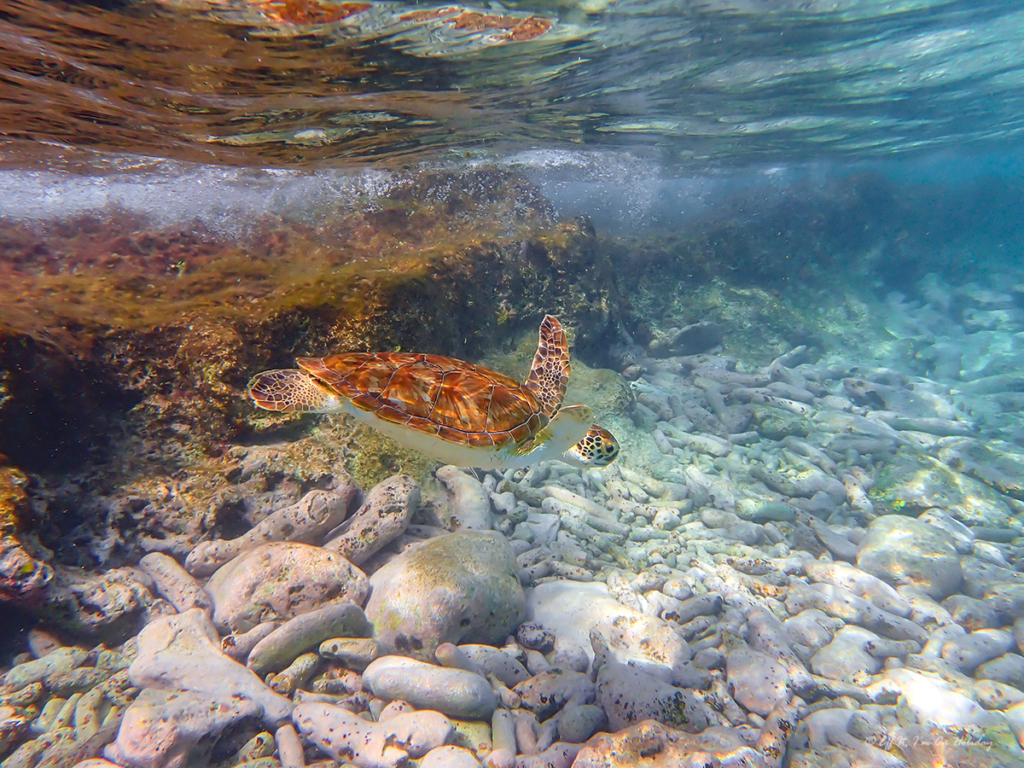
292, 391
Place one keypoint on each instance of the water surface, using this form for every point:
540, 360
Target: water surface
315, 83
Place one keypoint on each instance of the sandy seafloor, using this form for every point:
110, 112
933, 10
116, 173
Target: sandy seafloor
814, 561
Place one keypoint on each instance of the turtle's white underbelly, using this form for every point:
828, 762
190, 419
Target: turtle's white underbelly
442, 450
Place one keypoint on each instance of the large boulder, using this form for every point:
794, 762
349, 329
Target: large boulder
629, 695
905, 551
183, 653
911, 483
175, 729
279, 581
573, 610
457, 588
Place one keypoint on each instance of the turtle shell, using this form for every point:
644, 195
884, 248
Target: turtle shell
452, 399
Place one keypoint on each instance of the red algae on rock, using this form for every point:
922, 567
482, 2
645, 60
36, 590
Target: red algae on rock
23, 578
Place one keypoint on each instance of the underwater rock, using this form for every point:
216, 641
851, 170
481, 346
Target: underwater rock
36, 670
996, 468
239, 646
1008, 668
308, 630
494, 661
23, 578
455, 692
911, 483
653, 744
758, 681
174, 583
468, 501
460, 587
558, 755
778, 424
980, 578
967, 652
904, 551
281, 580
688, 340
353, 652
578, 722
809, 631
935, 702
347, 737
628, 695
861, 584
110, 605
971, 614
546, 693
574, 611
846, 657
844, 735
306, 521
182, 653
843, 604
807, 483
383, 517
449, 757
176, 729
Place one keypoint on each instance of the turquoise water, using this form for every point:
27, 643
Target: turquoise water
784, 240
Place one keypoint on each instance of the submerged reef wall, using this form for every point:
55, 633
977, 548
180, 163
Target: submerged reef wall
113, 316
126, 343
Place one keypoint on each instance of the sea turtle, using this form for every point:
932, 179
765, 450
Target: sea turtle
453, 411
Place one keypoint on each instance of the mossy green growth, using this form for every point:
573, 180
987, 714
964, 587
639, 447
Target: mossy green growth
776, 423
912, 482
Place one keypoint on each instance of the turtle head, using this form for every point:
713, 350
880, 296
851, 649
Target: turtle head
598, 448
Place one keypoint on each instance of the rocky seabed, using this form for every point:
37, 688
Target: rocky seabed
819, 568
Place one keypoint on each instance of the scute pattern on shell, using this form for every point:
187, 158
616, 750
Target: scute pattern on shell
457, 401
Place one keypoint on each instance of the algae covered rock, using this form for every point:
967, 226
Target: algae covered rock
629, 695
455, 692
281, 647
459, 588
777, 424
577, 612
651, 743
905, 551
22, 577
999, 469
183, 653
281, 580
912, 483
383, 516
176, 729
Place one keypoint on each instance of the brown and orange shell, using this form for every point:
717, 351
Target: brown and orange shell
454, 400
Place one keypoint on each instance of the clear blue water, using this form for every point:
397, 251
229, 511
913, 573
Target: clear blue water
192, 191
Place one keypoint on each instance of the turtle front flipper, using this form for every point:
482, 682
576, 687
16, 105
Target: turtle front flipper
292, 391
569, 426
549, 373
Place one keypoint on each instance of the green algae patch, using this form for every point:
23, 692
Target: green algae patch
911, 483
